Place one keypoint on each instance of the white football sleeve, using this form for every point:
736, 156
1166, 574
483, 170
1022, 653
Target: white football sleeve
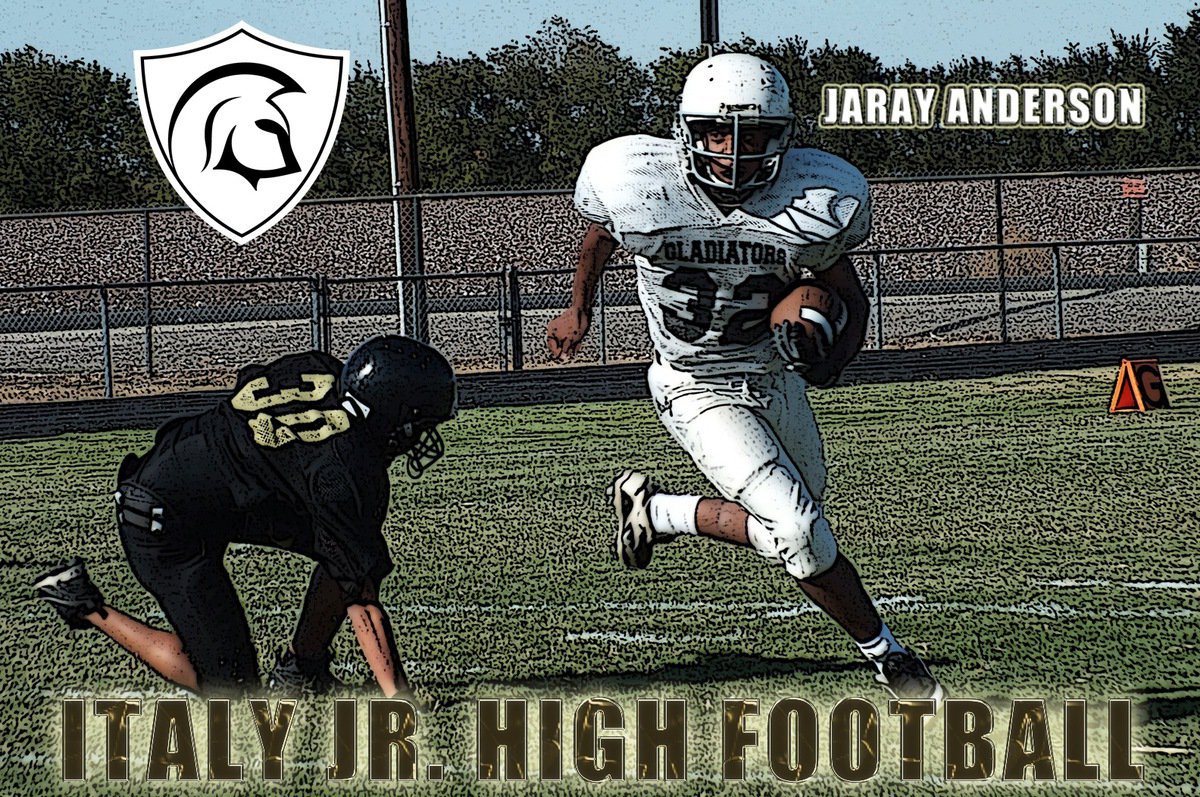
588, 200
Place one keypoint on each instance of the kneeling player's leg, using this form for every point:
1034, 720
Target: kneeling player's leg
322, 615
186, 574
303, 669
69, 589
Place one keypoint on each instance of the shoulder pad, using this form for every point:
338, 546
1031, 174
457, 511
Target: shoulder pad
635, 184
814, 168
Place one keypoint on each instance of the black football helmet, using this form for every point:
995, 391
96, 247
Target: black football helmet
404, 389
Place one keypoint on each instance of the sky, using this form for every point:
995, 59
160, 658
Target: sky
925, 33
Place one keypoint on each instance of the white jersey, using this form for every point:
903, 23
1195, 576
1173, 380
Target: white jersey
706, 280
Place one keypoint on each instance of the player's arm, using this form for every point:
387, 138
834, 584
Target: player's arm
373, 630
564, 333
350, 543
842, 279
326, 605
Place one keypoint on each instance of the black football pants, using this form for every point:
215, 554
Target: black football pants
181, 563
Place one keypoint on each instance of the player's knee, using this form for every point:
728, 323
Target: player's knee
800, 539
813, 554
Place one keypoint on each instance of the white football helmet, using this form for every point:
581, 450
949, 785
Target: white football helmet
738, 90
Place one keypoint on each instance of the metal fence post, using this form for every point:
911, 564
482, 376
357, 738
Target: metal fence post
326, 313
314, 299
1056, 265
502, 322
603, 325
1001, 287
149, 342
877, 298
418, 238
418, 291
514, 311
1143, 250
106, 344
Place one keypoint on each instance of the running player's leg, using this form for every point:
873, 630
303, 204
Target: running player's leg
839, 590
760, 447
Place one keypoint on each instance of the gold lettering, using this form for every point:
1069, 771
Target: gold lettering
1028, 742
272, 734
735, 738
671, 739
172, 718
970, 755
912, 735
219, 743
393, 723
345, 740
597, 758
491, 736
116, 742
854, 734
792, 716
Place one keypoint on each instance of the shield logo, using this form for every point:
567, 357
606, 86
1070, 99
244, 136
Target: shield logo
241, 123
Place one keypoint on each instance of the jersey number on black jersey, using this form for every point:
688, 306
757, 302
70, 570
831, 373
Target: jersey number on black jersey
274, 430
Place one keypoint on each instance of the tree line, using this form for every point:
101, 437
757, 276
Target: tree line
525, 114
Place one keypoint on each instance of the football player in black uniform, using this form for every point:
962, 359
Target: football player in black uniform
296, 458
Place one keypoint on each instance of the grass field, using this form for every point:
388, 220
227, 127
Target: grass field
1026, 542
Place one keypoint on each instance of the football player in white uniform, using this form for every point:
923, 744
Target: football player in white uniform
722, 220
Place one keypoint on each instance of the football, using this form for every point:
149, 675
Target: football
817, 312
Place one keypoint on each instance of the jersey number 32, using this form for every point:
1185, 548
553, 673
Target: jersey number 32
748, 325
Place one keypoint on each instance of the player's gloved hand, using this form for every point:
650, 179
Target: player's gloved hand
801, 345
823, 374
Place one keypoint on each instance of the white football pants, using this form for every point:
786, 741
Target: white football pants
755, 438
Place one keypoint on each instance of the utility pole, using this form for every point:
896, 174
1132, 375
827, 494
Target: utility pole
710, 36
400, 69
402, 144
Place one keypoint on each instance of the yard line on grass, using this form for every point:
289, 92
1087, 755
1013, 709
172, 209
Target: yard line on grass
777, 610
653, 639
1103, 582
1069, 582
1165, 750
1160, 584
1051, 610
488, 608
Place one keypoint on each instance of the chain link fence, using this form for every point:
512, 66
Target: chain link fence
92, 341
150, 300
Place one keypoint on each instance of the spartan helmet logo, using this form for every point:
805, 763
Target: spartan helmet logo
222, 121
241, 123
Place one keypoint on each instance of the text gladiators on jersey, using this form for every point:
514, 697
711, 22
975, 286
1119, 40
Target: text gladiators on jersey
787, 741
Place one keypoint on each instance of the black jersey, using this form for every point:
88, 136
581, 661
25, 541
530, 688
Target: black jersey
281, 462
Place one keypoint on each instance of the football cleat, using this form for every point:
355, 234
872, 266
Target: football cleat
635, 538
70, 590
906, 677
297, 678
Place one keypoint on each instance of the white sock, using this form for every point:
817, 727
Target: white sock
674, 514
876, 649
